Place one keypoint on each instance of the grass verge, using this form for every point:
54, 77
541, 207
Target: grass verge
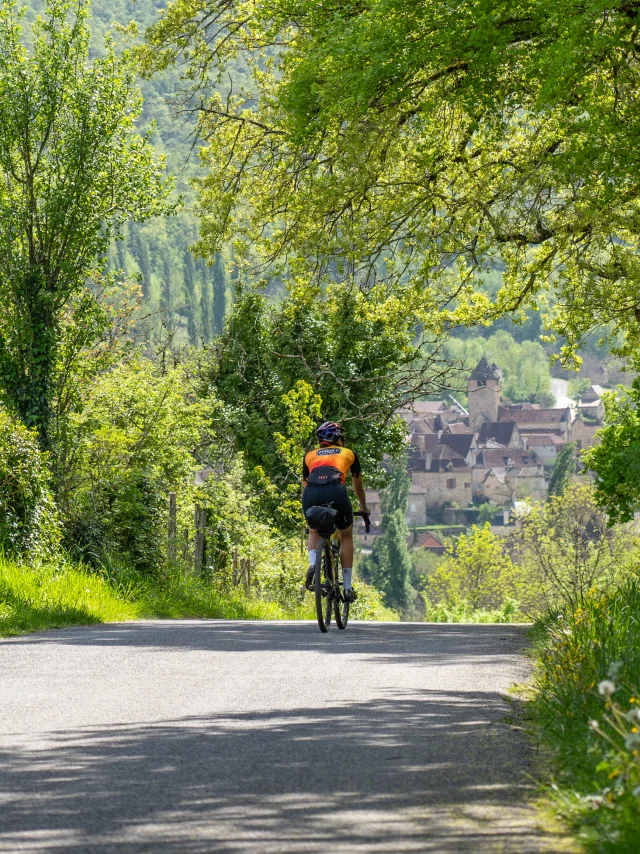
586, 709
60, 594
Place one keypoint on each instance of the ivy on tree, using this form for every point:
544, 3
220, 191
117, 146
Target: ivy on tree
73, 171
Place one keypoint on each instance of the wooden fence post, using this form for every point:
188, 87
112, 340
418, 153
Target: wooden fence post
200, 520
234, 574
173, 529
245, 565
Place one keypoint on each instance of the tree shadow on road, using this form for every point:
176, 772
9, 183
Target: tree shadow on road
426, 772
405, 640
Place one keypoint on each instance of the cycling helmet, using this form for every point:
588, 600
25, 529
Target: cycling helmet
330, 432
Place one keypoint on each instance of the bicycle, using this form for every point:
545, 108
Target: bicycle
329, 593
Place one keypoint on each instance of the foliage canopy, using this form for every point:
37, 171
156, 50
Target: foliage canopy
427, 141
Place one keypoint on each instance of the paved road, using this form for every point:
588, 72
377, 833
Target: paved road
269, 738
560, 390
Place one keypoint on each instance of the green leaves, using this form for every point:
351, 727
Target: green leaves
616, 459
72, 171
421, 142
28, 517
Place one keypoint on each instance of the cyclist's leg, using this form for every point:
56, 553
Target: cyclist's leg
346, 559
346, 551
344, 524
312, 541
310, 496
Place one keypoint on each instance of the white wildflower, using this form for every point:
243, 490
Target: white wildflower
606, 688
632, 742
633, 716
594, 724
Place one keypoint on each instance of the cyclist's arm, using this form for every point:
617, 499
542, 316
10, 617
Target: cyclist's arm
358, 488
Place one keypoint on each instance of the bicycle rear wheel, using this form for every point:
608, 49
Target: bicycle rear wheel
324, 604
341, 608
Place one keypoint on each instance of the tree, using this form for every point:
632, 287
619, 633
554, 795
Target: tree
428, 140
190, 292
359, 353
389, 564
72, 172
219, 292
565, 550
563, 470
475, 570
616, 459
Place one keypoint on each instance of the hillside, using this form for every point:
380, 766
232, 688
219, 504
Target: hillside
181, 292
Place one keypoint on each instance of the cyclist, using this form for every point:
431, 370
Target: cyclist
324, 471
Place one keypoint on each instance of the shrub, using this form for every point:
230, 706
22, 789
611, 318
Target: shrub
28, 519
134, 442
565, 550
475, 572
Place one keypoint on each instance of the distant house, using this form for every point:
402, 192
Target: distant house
556, 421
417, 505
545, 446
430, 543
590, 404
501, 475
504, 433
583, 431
464, 444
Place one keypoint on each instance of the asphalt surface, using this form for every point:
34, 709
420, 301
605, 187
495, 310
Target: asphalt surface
209, 736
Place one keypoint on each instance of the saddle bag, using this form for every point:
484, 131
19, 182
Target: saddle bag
321, 518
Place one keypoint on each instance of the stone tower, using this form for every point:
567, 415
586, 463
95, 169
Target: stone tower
484, 393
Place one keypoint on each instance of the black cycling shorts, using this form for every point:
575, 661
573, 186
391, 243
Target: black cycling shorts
330, 495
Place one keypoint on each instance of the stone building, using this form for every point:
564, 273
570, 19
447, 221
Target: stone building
498, 451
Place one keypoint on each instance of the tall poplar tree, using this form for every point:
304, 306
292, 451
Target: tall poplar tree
73, 171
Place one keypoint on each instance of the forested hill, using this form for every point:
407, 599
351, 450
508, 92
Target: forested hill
181, 291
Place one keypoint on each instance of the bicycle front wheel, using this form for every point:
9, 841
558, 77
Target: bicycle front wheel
324, 591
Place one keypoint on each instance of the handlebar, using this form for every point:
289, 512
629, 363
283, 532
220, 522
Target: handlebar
367, 519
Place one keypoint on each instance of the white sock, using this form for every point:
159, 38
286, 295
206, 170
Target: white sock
312, 558
346, 577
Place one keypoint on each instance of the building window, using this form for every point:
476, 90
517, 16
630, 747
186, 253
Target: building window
451, 483
467, 484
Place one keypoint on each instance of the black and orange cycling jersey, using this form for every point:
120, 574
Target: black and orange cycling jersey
330, 464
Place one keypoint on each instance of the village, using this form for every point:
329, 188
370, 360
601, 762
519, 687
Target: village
495, 452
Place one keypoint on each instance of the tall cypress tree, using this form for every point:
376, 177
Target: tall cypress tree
189, 270
166, 297
140, 251
205, 301
388, 566
219, 293
121, 249
563, 470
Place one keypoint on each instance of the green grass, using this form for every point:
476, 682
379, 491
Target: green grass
594, 748
60, 594
56, 595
